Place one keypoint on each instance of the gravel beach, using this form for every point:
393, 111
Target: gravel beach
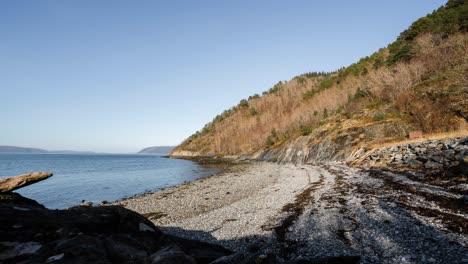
311, 212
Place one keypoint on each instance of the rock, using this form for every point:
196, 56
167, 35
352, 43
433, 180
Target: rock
16, 182
124, 248
15, 249
87, 204
144, 227
438, 159
415, 163
171, 255
105, 234
398, 157
55, 258
432, 165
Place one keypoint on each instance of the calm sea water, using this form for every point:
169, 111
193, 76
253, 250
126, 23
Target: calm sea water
96, 178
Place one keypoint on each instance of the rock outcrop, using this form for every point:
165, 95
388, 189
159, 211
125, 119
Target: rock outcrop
31, 233
16, 182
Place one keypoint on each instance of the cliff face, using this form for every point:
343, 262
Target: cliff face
417, 83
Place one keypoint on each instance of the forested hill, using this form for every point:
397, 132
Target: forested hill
417, 83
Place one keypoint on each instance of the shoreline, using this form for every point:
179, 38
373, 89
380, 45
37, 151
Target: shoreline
315, 212
236, 202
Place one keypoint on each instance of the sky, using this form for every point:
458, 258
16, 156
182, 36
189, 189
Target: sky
117, 76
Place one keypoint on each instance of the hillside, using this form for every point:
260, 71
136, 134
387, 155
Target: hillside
12, 149
22, 150
157, 150
417, 83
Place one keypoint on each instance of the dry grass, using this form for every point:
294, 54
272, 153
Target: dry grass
429, 136
423, 89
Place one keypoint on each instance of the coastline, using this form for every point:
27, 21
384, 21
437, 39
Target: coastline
231, 205
314, 211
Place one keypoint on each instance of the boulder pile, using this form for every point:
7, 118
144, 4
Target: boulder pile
433, 155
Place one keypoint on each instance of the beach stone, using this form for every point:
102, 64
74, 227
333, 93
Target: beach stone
17, 182
171, 255
432, 165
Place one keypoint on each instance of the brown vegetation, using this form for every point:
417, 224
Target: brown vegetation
427, 90
424, 89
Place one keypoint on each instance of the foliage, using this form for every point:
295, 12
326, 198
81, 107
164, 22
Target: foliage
447, 20
326, 83
389, 77
309, 94
305, 130
379, 117
253, 111
325, 112
255, 96
243, 103
359, 94
275, 88
271, 139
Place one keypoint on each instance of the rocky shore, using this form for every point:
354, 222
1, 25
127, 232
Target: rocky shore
386, 211
31, 233
271, 213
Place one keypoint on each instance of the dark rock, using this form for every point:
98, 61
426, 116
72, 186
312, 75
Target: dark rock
123, 248
171, 255
84, 248
30, 233
432, 165
415, 163
329, 260
438, 159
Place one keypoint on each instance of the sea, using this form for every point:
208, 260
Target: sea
98, 177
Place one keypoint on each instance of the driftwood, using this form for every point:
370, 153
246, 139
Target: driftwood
20, 181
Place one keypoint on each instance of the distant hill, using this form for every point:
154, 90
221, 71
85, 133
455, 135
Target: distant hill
12, 149
70, 152
157, 150
21, 150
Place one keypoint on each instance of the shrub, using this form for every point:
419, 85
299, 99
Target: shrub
253, 111
359, 93
326, 83
379, 117
269, 142
305, 130
309, 94
243, 103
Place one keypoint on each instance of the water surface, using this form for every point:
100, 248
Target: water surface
97, 177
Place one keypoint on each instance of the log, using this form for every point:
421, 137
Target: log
20, 181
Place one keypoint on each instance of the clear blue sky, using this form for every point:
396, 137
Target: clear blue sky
117, 76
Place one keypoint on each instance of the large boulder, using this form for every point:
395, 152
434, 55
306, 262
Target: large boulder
30, 233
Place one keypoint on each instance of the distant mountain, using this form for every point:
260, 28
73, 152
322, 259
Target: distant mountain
21, 150
70, 152
12, 149
157, 150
